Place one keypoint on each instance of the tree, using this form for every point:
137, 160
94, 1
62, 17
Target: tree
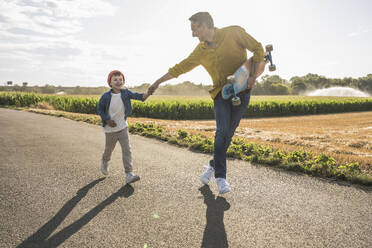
279, 89
297, 85
16, 87
258, 89
48, 89
274, 85
365, 83
77, 90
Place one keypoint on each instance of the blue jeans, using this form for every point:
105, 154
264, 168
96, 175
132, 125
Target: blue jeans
227, 120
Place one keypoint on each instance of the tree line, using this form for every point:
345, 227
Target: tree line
267, 85
275, 85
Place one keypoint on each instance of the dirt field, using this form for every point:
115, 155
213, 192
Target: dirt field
346, 137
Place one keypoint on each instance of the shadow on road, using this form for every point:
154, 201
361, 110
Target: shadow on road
214, 233
40, 237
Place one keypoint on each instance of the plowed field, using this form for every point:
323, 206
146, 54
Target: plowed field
346, 137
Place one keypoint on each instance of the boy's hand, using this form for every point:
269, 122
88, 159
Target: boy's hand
111, 123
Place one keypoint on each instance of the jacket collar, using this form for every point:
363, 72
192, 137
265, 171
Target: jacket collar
121, 90
204, 44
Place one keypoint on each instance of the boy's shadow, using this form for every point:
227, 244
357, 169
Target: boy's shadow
40, 237
214, 233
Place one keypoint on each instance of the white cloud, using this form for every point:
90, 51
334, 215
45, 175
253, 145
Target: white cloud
40, 35
360, 31
74, 42
50, 17
83, 8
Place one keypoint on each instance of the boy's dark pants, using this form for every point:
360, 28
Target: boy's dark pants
227, 120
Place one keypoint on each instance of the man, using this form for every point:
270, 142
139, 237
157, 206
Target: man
221, 52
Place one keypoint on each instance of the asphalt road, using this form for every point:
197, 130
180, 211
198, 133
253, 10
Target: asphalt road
52, 194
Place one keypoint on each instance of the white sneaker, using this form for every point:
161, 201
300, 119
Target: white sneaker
223, 186
131, 178
104, 167
206, 176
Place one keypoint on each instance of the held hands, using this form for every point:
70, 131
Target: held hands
152, 88
150, 91
155, 85
111, 123
145, 95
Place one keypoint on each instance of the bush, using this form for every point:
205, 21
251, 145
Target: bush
193, 109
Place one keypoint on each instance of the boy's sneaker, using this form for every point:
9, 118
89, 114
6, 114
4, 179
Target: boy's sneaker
223, 186
206, 176
131, 178
104, 167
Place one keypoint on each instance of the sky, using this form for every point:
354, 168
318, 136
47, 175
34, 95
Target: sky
78, 42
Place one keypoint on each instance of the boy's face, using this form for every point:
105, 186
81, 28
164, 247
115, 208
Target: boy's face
117, 82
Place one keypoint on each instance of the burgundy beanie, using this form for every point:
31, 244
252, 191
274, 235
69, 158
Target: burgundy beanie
112, 73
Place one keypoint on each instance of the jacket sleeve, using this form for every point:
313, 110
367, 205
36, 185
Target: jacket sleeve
186, 65
101, 109
135, 96
247, 41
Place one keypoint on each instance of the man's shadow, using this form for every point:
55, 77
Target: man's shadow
214, 233
40, 237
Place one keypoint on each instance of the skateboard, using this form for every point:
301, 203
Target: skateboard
237, 82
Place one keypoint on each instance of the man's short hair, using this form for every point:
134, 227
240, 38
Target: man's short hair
203, 17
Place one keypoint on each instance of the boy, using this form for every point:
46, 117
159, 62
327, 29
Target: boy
114, 107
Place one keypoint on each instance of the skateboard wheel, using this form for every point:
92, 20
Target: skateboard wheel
235, 101
231, 79
269, 48
272, 67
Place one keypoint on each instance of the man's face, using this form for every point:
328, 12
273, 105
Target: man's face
117, 82
199, 30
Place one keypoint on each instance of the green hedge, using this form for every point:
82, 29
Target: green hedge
195, 109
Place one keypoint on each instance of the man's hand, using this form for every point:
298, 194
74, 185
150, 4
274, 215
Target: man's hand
152, 88
251, 82
155, 85
111, 123
257, 68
